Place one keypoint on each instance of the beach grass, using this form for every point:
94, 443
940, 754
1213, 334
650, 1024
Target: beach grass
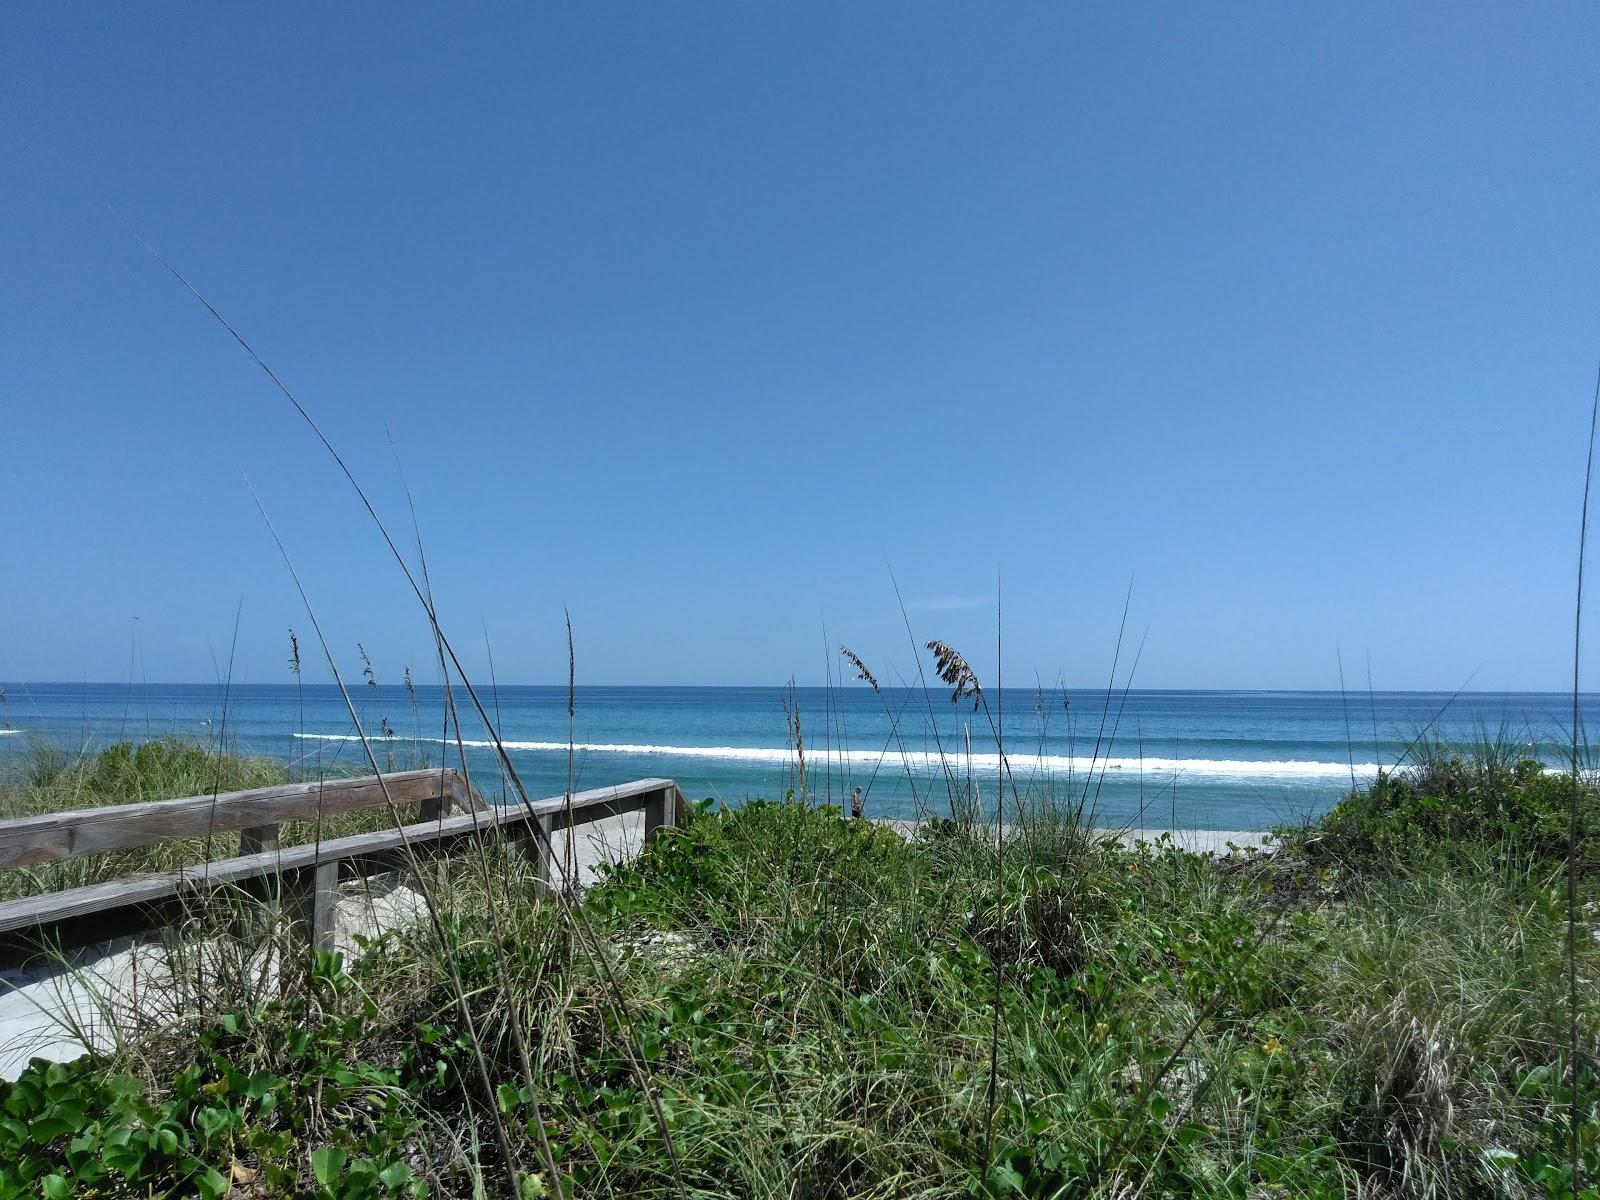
1374, 1008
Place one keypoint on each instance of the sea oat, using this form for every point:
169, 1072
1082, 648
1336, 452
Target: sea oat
956, 672
862, 672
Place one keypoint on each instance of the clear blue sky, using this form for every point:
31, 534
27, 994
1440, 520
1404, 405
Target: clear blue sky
690, 316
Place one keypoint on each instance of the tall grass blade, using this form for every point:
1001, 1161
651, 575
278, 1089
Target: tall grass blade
1574, 821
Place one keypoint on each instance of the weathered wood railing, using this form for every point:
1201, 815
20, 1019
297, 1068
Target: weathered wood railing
308, 874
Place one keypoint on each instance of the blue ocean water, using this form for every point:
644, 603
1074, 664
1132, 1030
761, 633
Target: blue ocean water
1189, 759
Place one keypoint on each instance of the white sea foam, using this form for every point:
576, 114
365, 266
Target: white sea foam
1298, 770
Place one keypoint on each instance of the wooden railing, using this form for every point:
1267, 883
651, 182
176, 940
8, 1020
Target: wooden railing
306, 875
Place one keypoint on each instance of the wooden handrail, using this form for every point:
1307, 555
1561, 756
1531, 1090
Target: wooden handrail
83, 915
51, 837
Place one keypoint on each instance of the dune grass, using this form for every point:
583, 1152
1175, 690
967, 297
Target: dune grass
811, 1000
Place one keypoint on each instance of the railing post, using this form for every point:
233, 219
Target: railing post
258, 839
463, 795
324, 905
434, 808
544, 850
659, 811
315, 897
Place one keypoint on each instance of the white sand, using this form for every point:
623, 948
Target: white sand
1202, 841
1197, 841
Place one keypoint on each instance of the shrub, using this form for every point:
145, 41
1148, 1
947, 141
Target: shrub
1451, 801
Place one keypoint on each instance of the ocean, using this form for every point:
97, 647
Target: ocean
1150, 759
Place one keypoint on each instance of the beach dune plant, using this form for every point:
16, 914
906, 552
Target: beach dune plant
814, 1001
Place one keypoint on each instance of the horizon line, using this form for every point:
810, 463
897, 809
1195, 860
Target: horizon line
840, 685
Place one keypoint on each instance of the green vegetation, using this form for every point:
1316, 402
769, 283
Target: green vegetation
48, 779
1487, 796
1375, 1008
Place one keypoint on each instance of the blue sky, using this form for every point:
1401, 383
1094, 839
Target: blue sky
695, 318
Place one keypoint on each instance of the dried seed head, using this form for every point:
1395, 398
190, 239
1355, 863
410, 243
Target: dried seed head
956, 672
851, 657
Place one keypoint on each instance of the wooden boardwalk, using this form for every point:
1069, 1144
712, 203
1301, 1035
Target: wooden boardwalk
445, 811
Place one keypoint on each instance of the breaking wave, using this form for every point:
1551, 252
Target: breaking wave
1297, 770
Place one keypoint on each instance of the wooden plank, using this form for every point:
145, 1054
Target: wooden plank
50, 907
26, 841
361, 850
541, 847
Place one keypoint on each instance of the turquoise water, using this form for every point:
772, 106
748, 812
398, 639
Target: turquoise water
1194, 759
